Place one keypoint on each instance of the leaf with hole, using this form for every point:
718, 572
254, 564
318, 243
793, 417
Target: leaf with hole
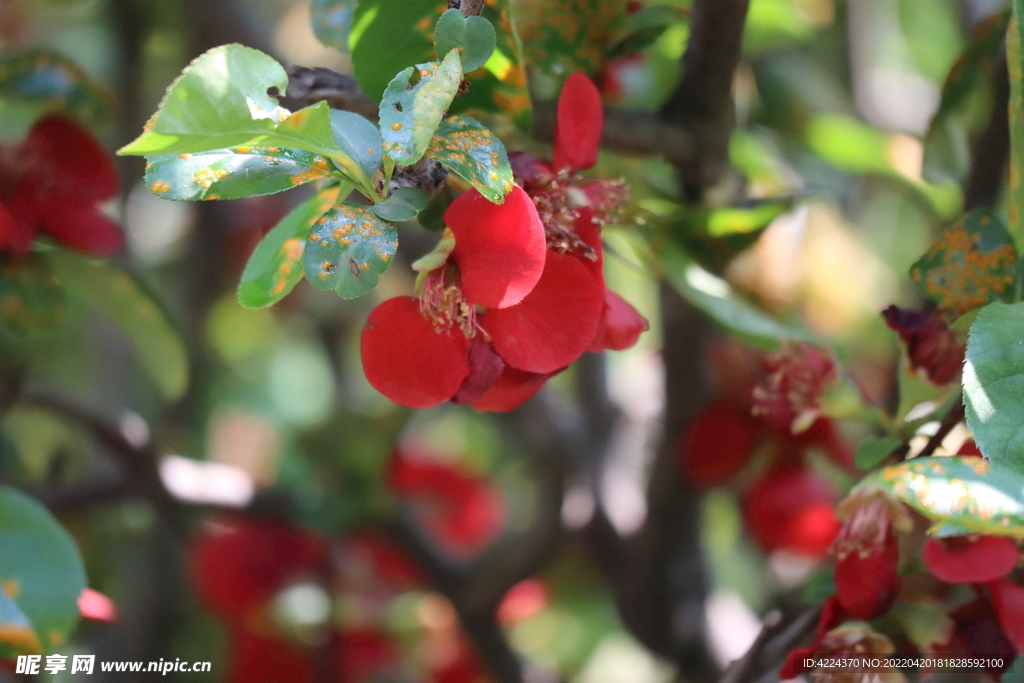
40, 570
473, 37
968, 492
403, 204
332, 21
970, 264
349, 248
277, 264
993, 380
465, 146
233, 173
409, 114
154, 337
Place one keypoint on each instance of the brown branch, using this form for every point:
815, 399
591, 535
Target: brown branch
469, 7
949, 420
769, 650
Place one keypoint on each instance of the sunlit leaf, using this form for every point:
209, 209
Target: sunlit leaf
30, 298
970, 264
466, 147
970, 492
403, 27
233, 173
157, 342
473, 37
40, 570
276, 266
994, 383
349, 248
332, 21
409, 114
403, 204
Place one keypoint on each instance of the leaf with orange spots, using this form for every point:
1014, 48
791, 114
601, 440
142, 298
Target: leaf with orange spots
969, 265
968, 492
233, 173
40, 571
276, 266
332, 21
993, 381
16, 634
30, 299
410, 113
562, 36
348, 249
465, 146
946, 153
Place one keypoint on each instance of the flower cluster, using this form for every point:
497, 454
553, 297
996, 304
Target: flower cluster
515, 292
51, 184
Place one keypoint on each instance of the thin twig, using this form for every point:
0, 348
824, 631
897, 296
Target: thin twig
949, 421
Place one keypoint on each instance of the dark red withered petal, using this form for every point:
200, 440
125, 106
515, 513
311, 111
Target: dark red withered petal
554, 324
717, 443
979, 633
407, 360
620, 325
80, 227
485, 367
511, 390
867, 583
366, 655
63, 161
932, 346
254, 659
500, 248
1008, 600
578, 125
792, 509
528, 170
242, 567
962, 560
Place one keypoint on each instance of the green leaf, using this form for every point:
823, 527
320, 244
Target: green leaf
40, 568
40, 81
729, 221
872, 452
969, 265
642, 29
275, 267
387, 36
156, 340
1015, 65
332, 21
349, 249
465, 146
946, 153
233, 173
473, 37
993, 381
16, 634
220, 100
403, 204
714, 296
409, 114
358, 139
562, 36
30, 298
970, 492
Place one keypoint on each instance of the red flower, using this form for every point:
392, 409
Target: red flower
51, 184
242, 567
867, 557
463, 510
932, 347
255, 659
792, 509
717, 443
365, 655
966, 559
789, 398
1008, 601
578, 125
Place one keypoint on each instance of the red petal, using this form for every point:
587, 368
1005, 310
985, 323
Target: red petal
962, 560
485, 367
867, 584
80, 226
18, 229
408, 361
578, 125
794, 665
97, 606
620, 325
366, 655
792, 509
255, 659
65, 162
10, 231
499, 248
1008, 599
554, 324
716, 444
511, 390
